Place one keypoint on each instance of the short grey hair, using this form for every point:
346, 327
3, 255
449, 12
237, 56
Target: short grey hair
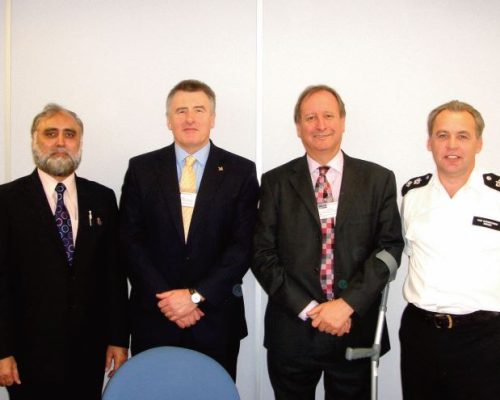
191, 85
53, 109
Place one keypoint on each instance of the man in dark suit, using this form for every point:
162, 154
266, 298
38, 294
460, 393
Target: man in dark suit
187, 214
63, 298
327, 228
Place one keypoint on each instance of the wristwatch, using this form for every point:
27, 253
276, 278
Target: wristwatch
195, 296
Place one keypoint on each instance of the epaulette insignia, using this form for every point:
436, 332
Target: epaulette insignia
492, 181
415, 183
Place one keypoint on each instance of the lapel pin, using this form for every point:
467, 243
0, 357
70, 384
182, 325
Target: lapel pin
221, 168
99, 221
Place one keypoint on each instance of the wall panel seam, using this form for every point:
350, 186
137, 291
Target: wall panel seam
259, 320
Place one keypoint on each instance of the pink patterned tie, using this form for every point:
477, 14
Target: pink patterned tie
324, 195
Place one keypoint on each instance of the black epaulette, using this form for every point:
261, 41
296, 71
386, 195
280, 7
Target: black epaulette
492, 181
415, 183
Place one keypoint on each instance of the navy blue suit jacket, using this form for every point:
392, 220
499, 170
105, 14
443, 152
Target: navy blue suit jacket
214, 259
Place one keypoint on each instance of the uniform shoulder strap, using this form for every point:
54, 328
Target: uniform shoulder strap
419, 181
492, 181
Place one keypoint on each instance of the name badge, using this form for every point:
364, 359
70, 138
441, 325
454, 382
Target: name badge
188, 199
328, 210
486, 223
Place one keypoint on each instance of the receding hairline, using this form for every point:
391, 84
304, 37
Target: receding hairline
313, 89
49, 111
211, 108
191, 86
456, 106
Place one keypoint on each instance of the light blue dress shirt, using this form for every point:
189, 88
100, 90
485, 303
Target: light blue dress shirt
199, 166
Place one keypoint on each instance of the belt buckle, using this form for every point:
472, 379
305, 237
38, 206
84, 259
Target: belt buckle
443, 321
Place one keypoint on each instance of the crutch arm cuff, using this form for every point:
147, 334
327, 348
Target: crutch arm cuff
390, 262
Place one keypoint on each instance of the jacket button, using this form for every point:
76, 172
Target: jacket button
343, 284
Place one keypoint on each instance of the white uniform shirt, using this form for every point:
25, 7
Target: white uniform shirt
454, 264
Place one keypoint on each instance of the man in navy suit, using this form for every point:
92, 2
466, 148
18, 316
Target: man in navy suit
328, 227
63, 297
186, 271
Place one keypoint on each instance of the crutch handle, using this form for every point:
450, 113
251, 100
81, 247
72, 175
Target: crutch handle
361, 352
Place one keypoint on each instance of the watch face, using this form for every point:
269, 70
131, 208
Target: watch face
195, 297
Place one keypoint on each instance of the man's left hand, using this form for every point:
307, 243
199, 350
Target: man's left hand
333, 317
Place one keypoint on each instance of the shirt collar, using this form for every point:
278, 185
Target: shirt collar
49, 182
49, 187
474, 182
201, 155
336, 163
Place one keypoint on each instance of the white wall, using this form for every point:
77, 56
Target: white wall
3, 57
391, 60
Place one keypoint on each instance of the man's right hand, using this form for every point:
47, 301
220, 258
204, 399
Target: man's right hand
8, 372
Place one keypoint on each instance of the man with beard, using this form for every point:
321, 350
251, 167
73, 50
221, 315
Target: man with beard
63, 298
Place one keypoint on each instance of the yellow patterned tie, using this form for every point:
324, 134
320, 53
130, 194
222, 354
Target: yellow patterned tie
187, 185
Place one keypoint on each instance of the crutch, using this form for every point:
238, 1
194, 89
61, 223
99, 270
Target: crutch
374, 351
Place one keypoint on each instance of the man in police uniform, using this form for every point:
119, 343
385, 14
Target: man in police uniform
450, 330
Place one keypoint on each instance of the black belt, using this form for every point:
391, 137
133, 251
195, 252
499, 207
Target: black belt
448, 321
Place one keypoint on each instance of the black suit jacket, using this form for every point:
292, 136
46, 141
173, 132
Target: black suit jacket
214, 259
57, 320
287, 256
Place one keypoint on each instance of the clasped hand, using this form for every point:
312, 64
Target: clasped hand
333, 317
177, 306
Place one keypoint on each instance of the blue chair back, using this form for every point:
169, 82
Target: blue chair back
168, 372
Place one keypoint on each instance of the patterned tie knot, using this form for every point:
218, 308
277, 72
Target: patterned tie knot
323, 170
63, 220
190, 160
188, 175
60, 188
60, 209
322, 188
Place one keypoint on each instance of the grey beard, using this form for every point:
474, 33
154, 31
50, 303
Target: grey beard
56, 165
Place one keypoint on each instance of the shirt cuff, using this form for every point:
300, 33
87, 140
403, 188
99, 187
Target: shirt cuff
303, 314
